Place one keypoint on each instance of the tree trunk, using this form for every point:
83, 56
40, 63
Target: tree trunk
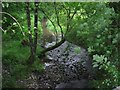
35, 25
32, 55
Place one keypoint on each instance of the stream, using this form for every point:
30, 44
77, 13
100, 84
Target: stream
69, 66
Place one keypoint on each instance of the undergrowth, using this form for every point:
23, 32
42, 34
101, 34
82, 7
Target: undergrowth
15, 67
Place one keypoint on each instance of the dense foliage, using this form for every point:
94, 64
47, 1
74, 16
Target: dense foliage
94, 26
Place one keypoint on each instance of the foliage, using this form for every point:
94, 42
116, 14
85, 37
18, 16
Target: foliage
92, 27
15, 57
9, 82
14, 50
77, 50
93, 31
103, 64
37, 66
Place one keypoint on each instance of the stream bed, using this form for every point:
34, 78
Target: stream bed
68, 64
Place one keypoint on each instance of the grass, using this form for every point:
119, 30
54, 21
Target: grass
14, 58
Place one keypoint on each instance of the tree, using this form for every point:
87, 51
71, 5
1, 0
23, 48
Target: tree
32, 41
59, 8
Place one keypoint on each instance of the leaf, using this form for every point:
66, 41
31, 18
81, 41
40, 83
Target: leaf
95, 65
14, 23
98, 36
114, 41
90, 49
3, 5
108, 63
105, 59
7, 5
13, 31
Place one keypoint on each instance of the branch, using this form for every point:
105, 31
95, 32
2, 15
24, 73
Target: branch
74, 13
2, 29
58, 19
15, 21
51, 22
65, 8
73, 16
42, 53
69, 19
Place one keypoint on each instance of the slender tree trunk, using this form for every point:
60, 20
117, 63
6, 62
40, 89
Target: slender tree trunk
35, 25
32, 55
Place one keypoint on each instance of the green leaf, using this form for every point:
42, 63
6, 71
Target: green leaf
95, 65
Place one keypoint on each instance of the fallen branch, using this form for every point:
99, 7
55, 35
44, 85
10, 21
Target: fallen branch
42, 53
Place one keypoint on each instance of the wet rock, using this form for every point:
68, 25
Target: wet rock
73, 84
117, 88
66, 57
66, 67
